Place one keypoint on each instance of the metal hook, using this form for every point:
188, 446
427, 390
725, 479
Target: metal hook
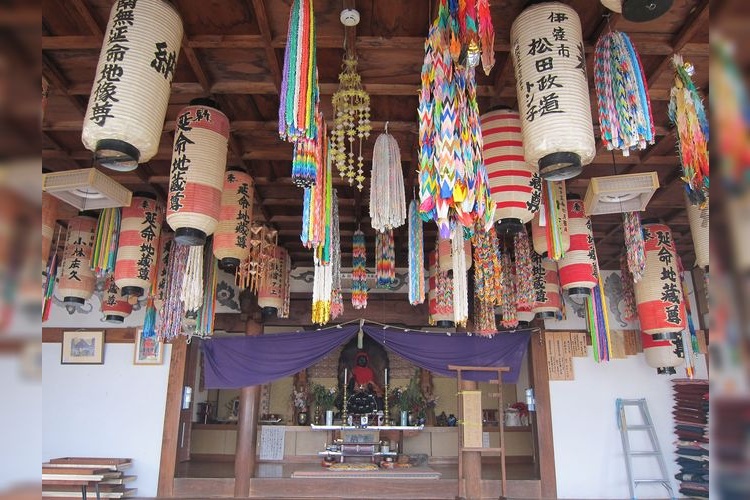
386, 126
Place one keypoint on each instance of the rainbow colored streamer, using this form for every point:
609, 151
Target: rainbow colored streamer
416, 256
385, 259
359, 270
104, 254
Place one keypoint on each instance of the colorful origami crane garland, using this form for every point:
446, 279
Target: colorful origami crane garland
387, 198
524, 272
416, 256
300, 96
487, 269
508, 294
460, 281
453, 184
359, 270
169, 322
351, 118
385, 260
629, 309
635, 246
337, 301
625, 119
687, 114
318, 201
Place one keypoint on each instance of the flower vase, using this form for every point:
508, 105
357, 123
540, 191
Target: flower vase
404, 418
329, 417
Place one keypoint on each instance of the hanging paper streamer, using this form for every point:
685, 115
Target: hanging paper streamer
634, 244
453, 183
524, 272
207, 311
359, 270
556, 218
629, 307
351, 116
690, 341
299, 94
487, 269
309, 155
625, 120
387, 198
385, 260
49, 280
284, 313
416, 256
508, 294
687, 114
486, 36
106, 242
596, 316
169, 323
337, 301
322, 287
192, 282
460, 279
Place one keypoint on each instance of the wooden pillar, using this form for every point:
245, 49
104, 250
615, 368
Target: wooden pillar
172, 408
540, 381
472, 460
247, 427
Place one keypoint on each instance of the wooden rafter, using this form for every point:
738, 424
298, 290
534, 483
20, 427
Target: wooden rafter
265, 32
87, 18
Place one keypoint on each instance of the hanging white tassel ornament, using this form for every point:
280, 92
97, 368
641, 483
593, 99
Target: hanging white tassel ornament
192, 282
460, 285
387, 198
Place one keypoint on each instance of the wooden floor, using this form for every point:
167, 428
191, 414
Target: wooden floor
273, 481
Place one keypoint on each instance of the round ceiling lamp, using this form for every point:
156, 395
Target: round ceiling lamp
639, 11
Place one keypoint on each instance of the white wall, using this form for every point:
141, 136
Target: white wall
589, 461
111, 410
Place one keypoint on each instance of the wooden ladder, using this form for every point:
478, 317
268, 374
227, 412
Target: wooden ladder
498, 451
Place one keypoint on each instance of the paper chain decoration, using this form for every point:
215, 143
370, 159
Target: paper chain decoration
453, 184
387, 198
359, 271
634, 244
416, 256
625, 118
686, 112
337, 302
385, 260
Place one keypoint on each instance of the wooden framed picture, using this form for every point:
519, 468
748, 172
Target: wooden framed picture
83, 348
149, 350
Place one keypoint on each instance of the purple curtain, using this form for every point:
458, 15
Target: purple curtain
235, 362
435, 351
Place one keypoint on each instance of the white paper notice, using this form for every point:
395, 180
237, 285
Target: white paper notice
272, 442
485, 440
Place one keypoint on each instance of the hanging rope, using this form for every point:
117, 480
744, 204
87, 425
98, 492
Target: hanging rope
337, 301
416, 256
104, 253
622, 94
687, 114
387, 198
169, 323
359, 270
634, 244
629, 308
192, 281
460, 284
385, 260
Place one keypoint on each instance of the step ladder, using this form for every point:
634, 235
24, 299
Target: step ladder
646, 424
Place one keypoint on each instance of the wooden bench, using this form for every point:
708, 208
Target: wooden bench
70, 476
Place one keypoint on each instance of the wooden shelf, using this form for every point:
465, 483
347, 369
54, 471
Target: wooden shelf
217, 427
514, 428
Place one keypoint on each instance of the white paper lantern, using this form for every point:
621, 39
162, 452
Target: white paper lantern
514, 184
232, 235
699, 229
547, 298
125, 113
138, 244
77, 280
578, 267
553, 95
663, 352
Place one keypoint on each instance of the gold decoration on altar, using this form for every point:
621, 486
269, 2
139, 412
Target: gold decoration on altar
254, 271
351, 110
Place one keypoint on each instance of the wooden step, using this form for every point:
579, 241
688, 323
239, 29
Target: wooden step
100, 462
130, 492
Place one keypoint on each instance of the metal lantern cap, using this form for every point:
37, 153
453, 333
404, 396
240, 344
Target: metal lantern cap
560, 166
117, 155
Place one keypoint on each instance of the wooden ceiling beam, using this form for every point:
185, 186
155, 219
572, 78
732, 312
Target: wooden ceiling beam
195, 65
265, 32
87, 18
58, 82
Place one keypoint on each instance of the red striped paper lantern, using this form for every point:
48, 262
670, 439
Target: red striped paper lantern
547, 298
166, 240
196, 179
77, 280
232, 235
138, 244
439, 295
515, 185
658, 294
663, 351
114, 307
578, 267
271, 291
445, 254
50, 206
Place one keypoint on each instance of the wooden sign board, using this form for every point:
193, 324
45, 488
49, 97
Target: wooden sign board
578, 342
632, 340
617, 344
559, 355
472, 413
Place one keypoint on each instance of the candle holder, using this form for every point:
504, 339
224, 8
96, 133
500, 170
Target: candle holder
344, 411
386, 410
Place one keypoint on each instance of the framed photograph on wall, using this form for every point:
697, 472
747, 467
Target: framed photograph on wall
149, 350
82, 348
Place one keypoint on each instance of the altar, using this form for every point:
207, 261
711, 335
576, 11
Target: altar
352, 441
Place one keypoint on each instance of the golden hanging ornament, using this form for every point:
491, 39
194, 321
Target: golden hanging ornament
254, 271
351, 110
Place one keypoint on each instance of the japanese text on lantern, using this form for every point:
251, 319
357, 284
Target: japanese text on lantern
181, 162
540, 279
111, 292
148, 233
164, 61
670, 291
242, 228
536, 193
111, 72
77, 253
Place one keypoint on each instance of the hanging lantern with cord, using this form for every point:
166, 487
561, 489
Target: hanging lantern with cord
232, 235
114, 307
138, 243
77, 280
578, 267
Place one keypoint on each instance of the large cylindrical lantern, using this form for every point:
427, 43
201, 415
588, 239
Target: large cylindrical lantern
125, 113
553, 95
271, 291
547, 298
445, 254
138, 245
514, 183
196, 178
50, 206
663, 351
166, 240
77, 280
539, 233
232, 235
578, 267
439, 295
699, 229
114, 307
658, 294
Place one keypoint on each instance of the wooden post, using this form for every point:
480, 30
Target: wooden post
472, 459
247, 428
540, 381
172, 408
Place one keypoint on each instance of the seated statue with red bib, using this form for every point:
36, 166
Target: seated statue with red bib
365, 394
